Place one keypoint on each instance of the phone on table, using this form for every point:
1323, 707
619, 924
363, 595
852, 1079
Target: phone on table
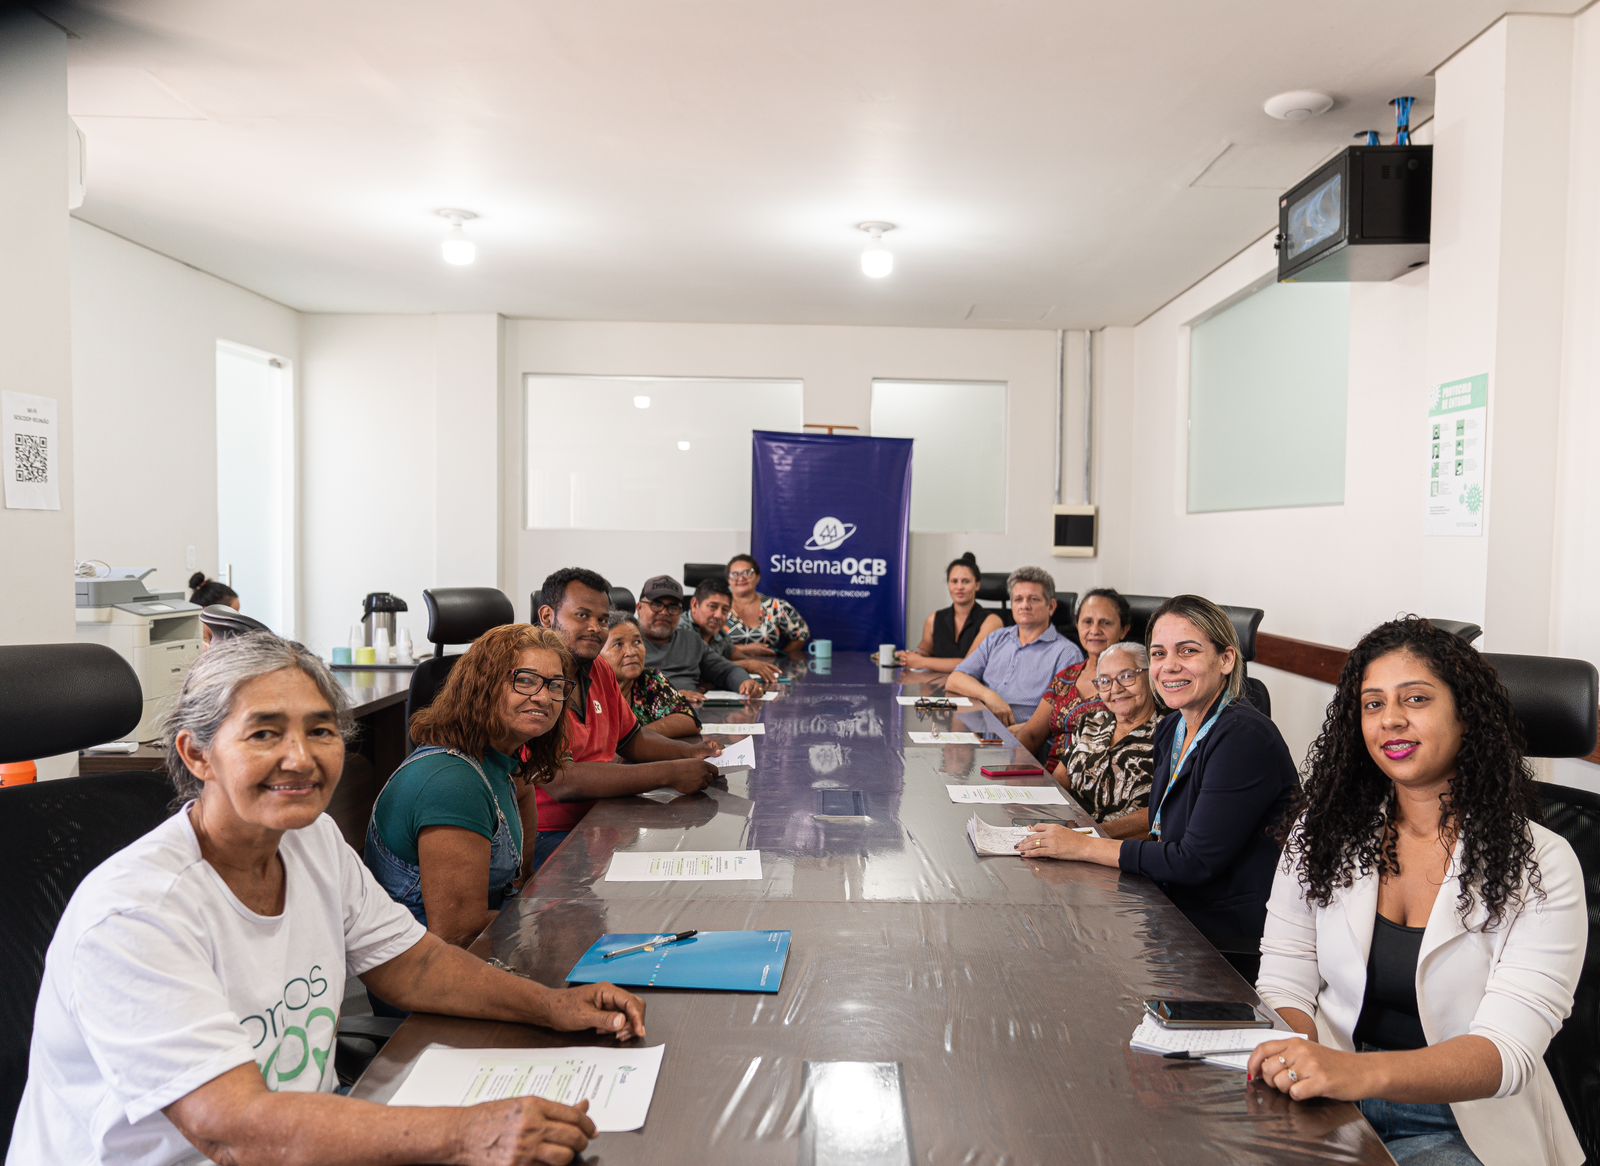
1011, 771
1171, 1012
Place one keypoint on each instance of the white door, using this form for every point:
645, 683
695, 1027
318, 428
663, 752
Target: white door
255, 483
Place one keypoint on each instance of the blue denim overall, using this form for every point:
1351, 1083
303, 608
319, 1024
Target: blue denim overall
403, 880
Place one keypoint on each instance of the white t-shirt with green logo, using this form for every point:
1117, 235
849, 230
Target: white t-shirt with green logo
159, 979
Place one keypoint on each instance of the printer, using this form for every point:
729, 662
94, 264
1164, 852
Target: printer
156, 632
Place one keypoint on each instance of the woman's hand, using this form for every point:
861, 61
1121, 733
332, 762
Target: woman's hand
694, 698
1049, 841
1303, 1069
522, 1130
910, 659
606, 1008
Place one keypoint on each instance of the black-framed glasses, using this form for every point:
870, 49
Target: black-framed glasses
671, 605
1123, 679
529, 683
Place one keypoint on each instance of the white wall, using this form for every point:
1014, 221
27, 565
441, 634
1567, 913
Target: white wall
838, 365
144, 385
35, 350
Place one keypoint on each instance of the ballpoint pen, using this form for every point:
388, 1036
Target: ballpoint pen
1200, 1055
650, 945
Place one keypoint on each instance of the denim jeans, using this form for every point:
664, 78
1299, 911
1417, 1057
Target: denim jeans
1419, 1135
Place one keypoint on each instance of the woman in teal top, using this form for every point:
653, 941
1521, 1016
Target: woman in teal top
446, 836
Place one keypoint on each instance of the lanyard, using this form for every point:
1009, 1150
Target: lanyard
1178, 758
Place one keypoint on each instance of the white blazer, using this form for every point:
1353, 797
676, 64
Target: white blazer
1512, 986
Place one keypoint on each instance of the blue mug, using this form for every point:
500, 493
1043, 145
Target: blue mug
820, 649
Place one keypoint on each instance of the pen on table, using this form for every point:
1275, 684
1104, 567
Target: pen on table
1192, 1055
658, 941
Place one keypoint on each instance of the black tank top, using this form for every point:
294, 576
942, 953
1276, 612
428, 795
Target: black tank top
946, 645
1389, 1017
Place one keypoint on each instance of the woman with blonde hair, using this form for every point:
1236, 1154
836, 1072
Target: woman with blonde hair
446, 837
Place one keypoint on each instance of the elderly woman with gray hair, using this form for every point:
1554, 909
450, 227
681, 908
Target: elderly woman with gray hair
1112, 761
192, 992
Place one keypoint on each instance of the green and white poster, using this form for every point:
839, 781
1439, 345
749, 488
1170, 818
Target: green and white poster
1458, 426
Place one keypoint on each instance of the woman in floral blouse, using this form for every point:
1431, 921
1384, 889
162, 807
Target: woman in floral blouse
655, 702
1103, 617
763, 620
1112, 761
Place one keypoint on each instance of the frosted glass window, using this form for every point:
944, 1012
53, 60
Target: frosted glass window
1267, 385
958, 464
646, 453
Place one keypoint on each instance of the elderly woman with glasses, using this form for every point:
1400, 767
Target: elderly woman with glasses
446, 837
1112, 762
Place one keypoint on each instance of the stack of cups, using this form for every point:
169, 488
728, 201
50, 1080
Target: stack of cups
380, 645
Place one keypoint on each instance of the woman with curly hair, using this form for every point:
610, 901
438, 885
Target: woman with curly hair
446, 836
1424, 934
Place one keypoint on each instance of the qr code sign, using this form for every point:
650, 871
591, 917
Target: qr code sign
33, 458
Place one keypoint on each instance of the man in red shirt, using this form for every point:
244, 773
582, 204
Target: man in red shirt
600, 725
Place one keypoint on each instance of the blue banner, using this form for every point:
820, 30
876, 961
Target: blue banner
829, 526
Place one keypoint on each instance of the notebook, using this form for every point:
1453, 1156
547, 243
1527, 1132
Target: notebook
1216, 1046
723, 961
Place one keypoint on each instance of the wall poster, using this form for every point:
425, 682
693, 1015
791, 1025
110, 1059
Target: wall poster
1458, 428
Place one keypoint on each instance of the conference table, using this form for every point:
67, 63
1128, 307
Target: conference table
937, 1006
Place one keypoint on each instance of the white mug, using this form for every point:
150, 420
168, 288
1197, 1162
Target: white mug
885, 655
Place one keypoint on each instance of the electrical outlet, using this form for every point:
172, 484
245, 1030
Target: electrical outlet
189, 557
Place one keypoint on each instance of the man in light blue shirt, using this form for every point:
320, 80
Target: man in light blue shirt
1015, 665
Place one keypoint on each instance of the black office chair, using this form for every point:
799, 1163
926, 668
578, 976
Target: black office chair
1246, 621
1141, 608
1065, 617
58, 698
1558, 702
456, 615
1457, 627
696, 573
622, 600
992, 595
226, 623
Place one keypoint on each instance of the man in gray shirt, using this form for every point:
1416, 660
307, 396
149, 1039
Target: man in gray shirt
679, 653
708, 615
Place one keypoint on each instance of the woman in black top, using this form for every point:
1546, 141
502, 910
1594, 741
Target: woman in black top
1222, 784
950, 634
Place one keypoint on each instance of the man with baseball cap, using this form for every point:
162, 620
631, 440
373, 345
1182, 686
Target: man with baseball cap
678, 652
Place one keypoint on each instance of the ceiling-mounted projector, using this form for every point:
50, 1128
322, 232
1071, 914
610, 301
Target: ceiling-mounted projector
1363, 216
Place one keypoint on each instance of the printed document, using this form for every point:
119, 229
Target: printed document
664, 866
618, 1083
958, 701
735, 755
1219, 1046
1038, 795
729, 729
992, 840
944, 739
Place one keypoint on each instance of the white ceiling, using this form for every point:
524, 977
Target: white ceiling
1051, 163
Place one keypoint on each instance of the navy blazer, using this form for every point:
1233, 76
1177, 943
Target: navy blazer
1216, 856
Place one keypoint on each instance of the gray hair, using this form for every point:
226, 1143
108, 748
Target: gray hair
1032, 575
1141, 658
213, 683
618, 617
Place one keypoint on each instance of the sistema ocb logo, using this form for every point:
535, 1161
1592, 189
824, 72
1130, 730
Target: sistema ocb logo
829, 534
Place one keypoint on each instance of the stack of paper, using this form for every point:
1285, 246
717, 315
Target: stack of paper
738, 754
733, 729
724, 696
947, 738
618, 1083
1039, 795
1228, 1047
991, 840
663, 866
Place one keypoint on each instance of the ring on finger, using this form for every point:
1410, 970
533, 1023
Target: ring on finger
1293, 1076
1283, 1060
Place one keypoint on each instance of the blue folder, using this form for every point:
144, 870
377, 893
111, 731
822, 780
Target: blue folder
725, 961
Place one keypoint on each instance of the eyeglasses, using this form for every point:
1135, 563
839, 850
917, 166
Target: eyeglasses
670, 605
530, 683
1123, 679
747, 573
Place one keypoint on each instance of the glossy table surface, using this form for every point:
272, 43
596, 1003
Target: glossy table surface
985, 1002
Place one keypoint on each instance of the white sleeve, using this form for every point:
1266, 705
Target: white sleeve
1531, 985
376, 928
1290, 976
152, 1011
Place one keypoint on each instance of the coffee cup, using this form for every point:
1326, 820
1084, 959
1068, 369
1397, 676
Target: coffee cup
821, 649
366, 655
885, 655
341, 654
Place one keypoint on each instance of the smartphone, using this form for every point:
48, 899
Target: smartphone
1176, 1013
1011, 771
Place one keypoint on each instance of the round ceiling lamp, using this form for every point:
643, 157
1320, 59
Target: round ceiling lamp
458, 250
877, 260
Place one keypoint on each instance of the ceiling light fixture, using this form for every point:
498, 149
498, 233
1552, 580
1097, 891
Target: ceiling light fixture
641, 402
1297, 105
877, 260
458, 250
683, 446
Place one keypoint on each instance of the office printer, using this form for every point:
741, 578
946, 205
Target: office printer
156, 632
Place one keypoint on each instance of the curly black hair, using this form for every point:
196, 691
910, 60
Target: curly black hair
1343, 821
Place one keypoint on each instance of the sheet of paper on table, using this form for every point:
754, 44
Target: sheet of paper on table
1214, 1045
958, 701
665, 866
1038, 795
945, 739
735, 755
730, 729
618, 1083
724, 696
989, 839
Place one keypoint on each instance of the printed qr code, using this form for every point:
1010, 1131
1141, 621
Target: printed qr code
33, 459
